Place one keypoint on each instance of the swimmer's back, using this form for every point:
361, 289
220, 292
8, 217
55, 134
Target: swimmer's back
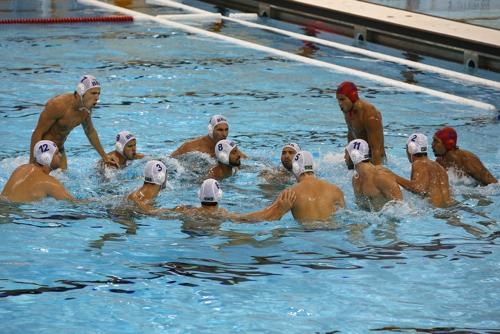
316, 200
26, 184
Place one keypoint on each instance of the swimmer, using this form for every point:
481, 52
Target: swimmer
125, 149
363, 121
64, 112
228, 159
218, 129
31, 182
155, 179
373, 185
283, 174
448, 155
428, 178
210, 194
310, 199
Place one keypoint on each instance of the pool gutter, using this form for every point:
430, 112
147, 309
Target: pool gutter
471, 45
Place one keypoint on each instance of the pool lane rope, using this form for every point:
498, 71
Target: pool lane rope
287, 55
338, 46
58, 20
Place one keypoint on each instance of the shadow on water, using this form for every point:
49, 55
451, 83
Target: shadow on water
437, 330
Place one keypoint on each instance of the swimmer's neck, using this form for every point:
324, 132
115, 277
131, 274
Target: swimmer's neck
306, 176
149, 190
363, 168
225, 169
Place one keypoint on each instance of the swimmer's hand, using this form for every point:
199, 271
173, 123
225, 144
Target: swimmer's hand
139, 156
286, 200
111, 161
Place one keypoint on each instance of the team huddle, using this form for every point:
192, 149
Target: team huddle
309, 199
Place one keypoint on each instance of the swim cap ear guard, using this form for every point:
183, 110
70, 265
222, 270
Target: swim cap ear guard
222, 150
210, 191
358, 151
44, 152
214, 121
302, 163
86, 82
122, 139
155, 172
417, 143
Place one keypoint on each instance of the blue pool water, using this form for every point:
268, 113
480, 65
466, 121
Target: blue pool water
98, 268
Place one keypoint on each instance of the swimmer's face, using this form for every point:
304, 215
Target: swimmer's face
130, 150
235, 157
438, 147
56, 160
287, 155
91, 97
344, 103
348, 161
221, 131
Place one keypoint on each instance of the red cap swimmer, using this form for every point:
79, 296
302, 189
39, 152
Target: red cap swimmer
348, 89
448, 137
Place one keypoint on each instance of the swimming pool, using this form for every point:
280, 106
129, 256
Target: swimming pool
94, 268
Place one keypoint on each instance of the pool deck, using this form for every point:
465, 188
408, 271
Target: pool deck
408, 31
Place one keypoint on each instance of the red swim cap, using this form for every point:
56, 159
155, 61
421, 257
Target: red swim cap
348, 89
448, 136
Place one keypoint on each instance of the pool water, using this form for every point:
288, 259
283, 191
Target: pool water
99, 268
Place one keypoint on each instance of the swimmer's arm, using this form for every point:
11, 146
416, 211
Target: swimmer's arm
139, 156
475, 168
417, 184
390, 189
93, 138
275, 211
47, 118
375, 136
56, 190
184, 148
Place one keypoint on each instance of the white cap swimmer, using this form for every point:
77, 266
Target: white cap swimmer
155, 172
417, 143
44, 152
223, 149
122, 138
358, 151
293, 146
210, 191
302, 163
214, 121
86, 82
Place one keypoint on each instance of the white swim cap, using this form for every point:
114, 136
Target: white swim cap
417, 143
210, 191
302, 163
86, 82
293, 146
44, 152
214, 121
122, 138
155, 172
222, 150
358, 150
